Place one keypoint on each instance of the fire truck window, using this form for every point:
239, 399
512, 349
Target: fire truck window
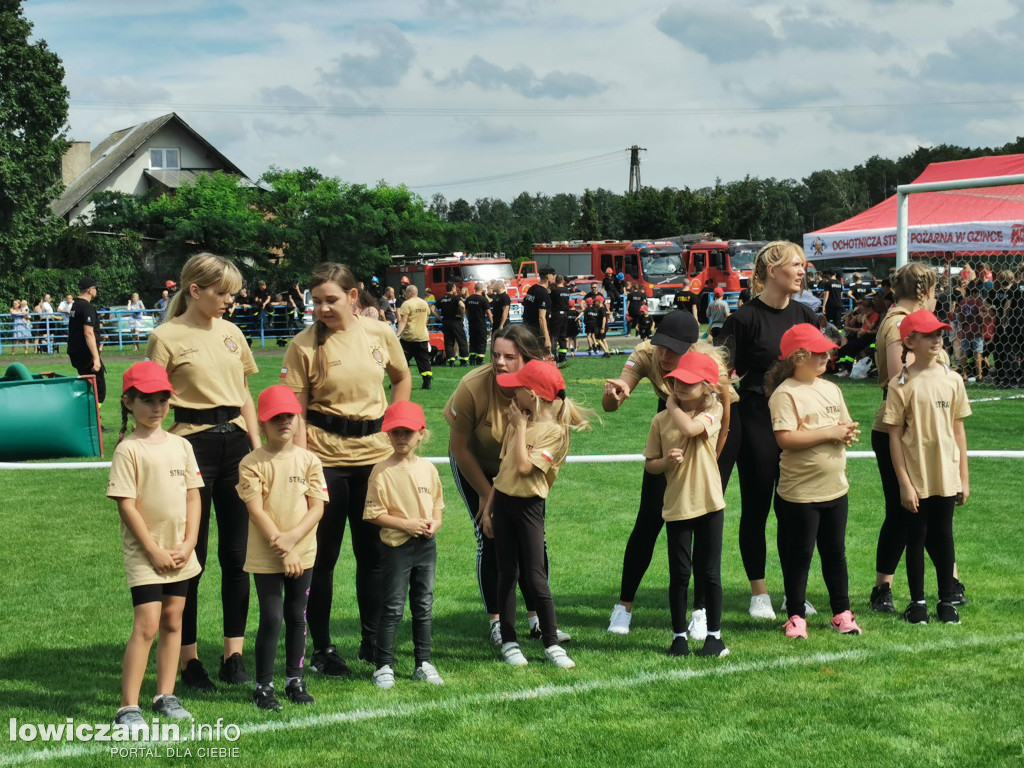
698, 261
631, 267
717, 259
454, 275
606, 261
438, 273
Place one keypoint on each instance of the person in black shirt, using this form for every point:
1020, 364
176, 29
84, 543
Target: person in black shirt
500, 305
572, 327
452, 309
687, 301
537, 305
752, 335
261, 297
833, 308
613, 288
595, 291
374, 288
559, 317
643, 323
634, 298
83, 340
478, 313
592, 323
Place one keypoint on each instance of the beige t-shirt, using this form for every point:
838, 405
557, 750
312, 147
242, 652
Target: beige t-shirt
207, 367
357, 361
410, 490
643, 364
927, 405
158, 476
693, 488
478, 409
815, 474
283, 481
547, 444
417, 312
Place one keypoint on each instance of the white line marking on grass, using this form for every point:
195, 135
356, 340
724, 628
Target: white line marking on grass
719, 669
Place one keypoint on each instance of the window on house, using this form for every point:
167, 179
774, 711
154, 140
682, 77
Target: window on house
164, 158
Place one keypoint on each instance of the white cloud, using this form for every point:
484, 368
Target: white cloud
392, 56
523, 80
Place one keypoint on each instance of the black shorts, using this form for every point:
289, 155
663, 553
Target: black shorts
155, 593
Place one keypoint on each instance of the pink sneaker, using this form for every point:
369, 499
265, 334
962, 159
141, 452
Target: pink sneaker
844, 624
796, 627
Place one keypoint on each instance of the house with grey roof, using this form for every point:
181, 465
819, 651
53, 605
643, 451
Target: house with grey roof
163, 153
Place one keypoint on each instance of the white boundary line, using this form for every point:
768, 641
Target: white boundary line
720, 669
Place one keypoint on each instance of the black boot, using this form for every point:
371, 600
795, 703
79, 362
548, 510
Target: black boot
427, 380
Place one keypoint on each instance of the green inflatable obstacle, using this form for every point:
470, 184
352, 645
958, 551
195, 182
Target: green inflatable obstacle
47, 417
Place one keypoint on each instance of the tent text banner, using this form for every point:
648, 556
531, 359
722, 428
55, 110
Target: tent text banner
973, 236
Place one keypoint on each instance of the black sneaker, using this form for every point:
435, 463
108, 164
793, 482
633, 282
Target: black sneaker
427, 381
194, 677
948, 613
679, 647
959, 598
264, 698
881, 599
916, 614
297, 693
328, 663
232, 670
713, 647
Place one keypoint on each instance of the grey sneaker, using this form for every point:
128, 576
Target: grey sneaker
496, 631
131, 717
427, 673
169, 706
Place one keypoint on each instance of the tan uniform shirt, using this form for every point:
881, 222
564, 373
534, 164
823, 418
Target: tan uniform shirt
357, 361
207, 367
411, 491
283, 481
547, 444
927, 405
815, 474
643, 364
693, 488
478, 409
158, 476
417, 312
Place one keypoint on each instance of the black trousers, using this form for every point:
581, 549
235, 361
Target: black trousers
556, 329
218, 455
695, 546
486, 558
803, 525
275, 610
409, 570
478, 339
346, 489
85, 369
932, 529
417, 350
454, 335
519, 544
892, 537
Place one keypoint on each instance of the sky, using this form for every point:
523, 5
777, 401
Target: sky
490, 98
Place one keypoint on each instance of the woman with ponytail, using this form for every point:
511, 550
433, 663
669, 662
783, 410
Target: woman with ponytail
336, 368
207, 360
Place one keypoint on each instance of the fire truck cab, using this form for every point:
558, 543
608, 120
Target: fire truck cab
432, 272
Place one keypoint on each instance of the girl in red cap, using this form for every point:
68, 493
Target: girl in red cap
283, 488
535, 446
812, 427
155, 480
404, 498
925, 410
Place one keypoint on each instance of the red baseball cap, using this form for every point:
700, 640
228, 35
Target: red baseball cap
404, 413
922, 321
147, 377
644, 308
543, 379
276, 400
695, 366
719, 293
804, 336
589, 301
170, 284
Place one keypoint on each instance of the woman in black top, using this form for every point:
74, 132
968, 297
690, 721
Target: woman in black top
752, 334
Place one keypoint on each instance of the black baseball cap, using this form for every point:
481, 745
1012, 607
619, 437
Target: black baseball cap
677, 331
85, 283
547, 269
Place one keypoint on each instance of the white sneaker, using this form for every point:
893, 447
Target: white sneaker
809, 610
761, 607
560, 636
698, 627
384, 677
428, 673
557, 656
619, 623
496, 631
512, 655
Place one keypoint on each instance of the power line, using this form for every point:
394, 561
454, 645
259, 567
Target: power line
544, 170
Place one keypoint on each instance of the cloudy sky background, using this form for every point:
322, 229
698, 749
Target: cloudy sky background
475, 98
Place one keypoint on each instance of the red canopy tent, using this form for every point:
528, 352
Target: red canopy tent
962, 222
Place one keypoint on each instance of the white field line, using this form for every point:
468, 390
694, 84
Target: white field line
715, 669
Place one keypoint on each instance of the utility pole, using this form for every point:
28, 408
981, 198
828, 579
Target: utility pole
634, 167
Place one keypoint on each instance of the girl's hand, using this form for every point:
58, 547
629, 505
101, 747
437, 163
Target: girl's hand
908, 497
965, 493
486, 526
433, 526
671, 404
162, 560
284, 543
181, 554
417, 527
516, 417
292, 566
850, 432
676, 455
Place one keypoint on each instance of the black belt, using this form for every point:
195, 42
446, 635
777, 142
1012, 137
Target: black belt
218, 415
339, 425
885, 393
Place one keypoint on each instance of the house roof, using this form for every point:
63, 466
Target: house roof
107, 156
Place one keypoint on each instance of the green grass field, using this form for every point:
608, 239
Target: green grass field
898, 695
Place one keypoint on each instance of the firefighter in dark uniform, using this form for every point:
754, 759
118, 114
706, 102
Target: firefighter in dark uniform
558, 321
537, 306
452, 309
687, 301
478, 313
634, 298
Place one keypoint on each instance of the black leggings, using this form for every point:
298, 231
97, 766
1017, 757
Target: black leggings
519, 544
346, 489
273, 611
486, 559
695, 546
931, 528
803, 525
218, 455
892, 538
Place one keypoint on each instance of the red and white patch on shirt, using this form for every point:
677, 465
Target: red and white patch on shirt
547, 455
630, 364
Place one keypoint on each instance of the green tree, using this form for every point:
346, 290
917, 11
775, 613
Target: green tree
33, 120
587, 226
